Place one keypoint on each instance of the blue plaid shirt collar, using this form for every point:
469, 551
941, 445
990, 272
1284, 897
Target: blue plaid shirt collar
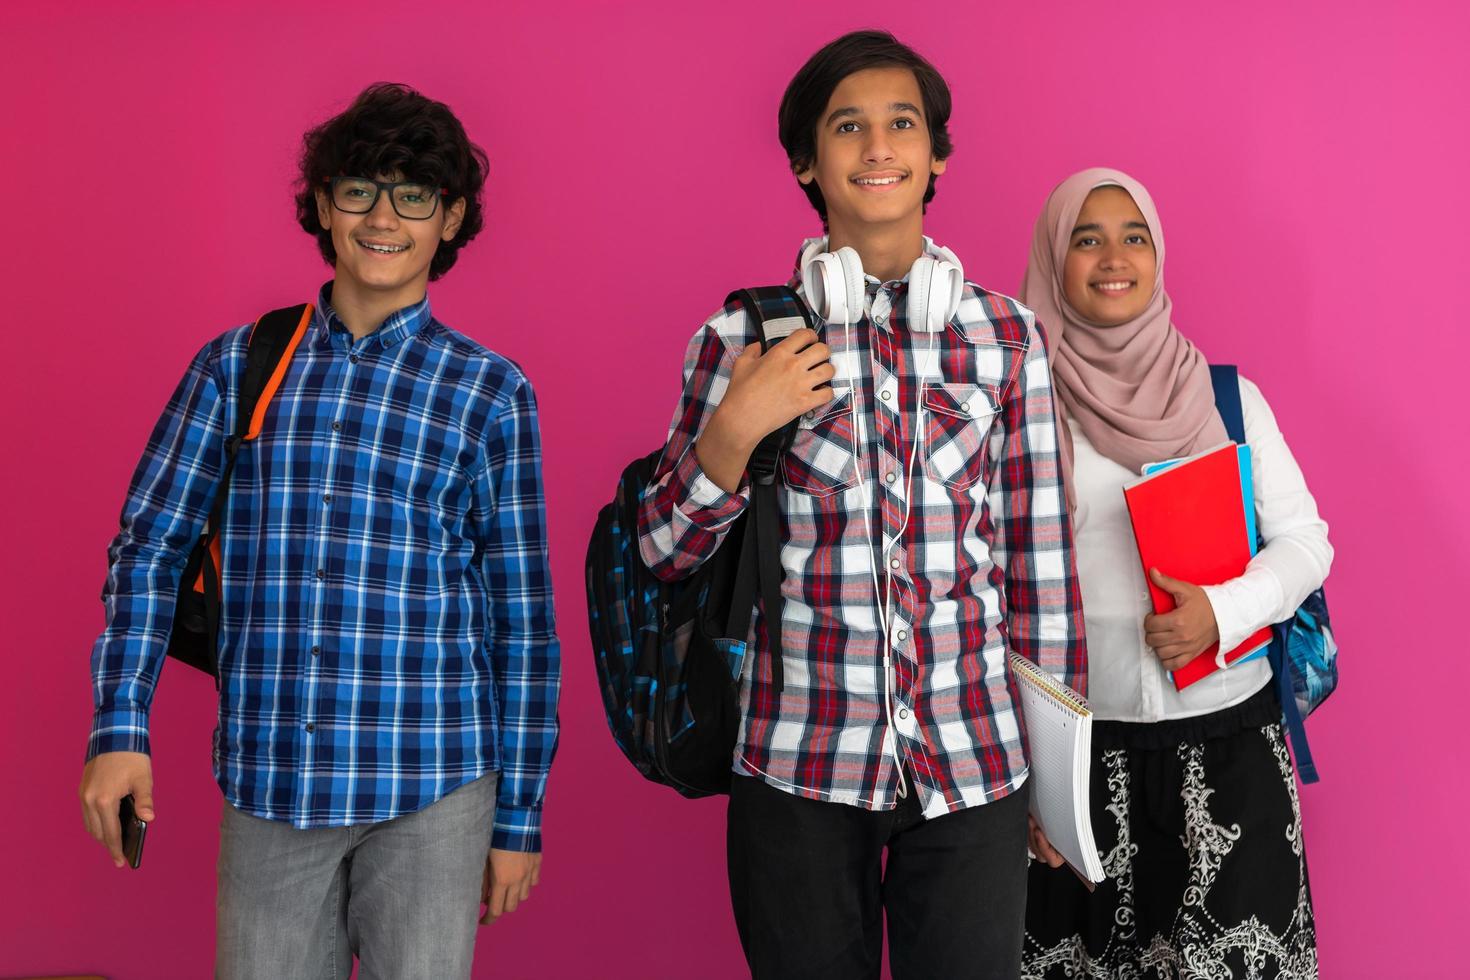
400, 325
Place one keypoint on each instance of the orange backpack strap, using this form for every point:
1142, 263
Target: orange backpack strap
273, 340
271, 343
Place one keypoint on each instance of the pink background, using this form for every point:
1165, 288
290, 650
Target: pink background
1309, 161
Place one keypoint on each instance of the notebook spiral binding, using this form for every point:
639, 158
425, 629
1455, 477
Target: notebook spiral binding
1051, 688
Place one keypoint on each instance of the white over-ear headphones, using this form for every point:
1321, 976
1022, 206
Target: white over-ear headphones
834, 284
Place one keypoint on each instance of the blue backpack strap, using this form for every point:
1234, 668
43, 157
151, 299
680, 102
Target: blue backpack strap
1225, 378
1291, 713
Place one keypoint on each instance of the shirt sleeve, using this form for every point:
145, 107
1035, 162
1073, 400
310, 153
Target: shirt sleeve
1297, 555
685, 514
167, 504
525, 656
1033, 534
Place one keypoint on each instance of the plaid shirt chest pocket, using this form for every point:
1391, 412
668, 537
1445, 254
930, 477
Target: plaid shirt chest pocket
820, 461
957, 423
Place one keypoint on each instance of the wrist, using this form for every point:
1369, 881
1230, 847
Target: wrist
723, 449
730, 431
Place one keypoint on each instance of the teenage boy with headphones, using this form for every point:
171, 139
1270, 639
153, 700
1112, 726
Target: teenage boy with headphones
925, 538
388, 663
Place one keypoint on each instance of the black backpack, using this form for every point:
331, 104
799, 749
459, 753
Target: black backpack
194, 638
669, 653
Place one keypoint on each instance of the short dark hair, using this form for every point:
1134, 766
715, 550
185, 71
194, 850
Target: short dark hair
807, 96
392, 128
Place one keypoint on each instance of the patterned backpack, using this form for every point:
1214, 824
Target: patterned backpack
669, 654
1303, 651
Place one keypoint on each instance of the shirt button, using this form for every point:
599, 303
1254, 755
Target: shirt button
310, 727
316, 651
903, 634
964, 406
353, 358
893, 563
812, 414
326, 498
903, 712
885, 395
891, 477
321, 573
336, 425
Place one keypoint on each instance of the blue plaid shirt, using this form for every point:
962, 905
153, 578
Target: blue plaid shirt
387, 630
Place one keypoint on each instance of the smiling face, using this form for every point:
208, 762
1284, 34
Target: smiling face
381, 254
1111, 264
873, 153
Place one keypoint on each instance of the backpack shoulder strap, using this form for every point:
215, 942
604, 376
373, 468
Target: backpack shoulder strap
1226, 381
272, 341
776, 312
268, 349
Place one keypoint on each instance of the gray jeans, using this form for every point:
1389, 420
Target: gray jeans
402, 895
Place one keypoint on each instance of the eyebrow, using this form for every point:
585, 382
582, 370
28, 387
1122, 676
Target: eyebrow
1097, 227
850, 110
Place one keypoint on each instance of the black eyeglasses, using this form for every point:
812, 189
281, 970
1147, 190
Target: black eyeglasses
359, 195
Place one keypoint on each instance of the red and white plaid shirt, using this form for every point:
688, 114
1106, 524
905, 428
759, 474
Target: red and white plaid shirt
983, 564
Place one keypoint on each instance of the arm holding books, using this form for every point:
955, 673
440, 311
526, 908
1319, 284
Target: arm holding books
1297, 555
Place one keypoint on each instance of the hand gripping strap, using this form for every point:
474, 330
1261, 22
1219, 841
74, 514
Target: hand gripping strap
772, 310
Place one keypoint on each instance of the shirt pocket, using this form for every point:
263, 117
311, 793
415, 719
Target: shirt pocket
819, 462
957, 423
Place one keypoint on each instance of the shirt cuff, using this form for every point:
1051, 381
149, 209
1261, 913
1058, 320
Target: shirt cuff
1243, 605
700, 500
517, 828
119, 730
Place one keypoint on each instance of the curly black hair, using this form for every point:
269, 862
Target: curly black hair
807, 96
391, 128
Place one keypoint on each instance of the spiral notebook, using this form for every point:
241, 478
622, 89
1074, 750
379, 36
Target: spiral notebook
1059, 734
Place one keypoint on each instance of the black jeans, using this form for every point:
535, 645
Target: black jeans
809, 887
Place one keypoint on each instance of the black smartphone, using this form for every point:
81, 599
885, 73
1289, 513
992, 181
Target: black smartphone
133, 831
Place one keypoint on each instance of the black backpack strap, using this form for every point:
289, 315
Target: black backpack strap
1225, 378
272, 341
776, 312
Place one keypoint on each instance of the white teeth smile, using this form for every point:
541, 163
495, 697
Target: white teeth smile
1113, 287
876, 181
385, 249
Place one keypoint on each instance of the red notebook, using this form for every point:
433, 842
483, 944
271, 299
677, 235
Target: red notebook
1189, 521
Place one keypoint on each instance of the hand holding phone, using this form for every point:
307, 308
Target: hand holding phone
106, 779
133, 832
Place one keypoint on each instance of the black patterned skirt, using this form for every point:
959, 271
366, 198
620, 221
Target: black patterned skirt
1200, 832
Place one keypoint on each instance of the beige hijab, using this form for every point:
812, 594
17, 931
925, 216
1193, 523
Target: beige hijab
1140, 391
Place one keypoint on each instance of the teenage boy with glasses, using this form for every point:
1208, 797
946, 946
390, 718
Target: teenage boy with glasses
388, 661
925, 539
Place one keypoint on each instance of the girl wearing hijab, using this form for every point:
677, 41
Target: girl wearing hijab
1194, 803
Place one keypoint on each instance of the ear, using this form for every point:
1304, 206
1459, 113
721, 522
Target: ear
805, 173
453, 218
323, 210
937, 166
